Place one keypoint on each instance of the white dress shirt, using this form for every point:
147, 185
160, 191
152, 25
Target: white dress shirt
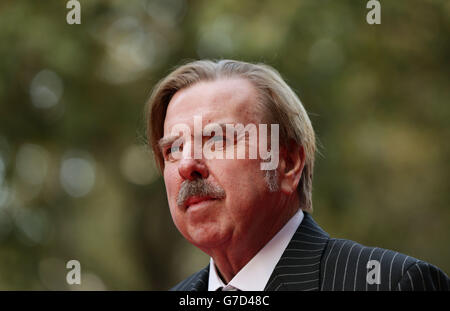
256, 273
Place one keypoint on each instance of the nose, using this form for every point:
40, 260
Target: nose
192, 168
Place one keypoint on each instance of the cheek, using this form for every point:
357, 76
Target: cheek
171, 180
242, 178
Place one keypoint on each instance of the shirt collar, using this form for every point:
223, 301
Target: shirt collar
256, 273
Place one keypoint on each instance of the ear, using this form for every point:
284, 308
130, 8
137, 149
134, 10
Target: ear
292, 161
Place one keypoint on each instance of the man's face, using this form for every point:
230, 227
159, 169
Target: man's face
239, 205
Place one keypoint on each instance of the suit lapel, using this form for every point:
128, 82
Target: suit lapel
299, 266
199, 281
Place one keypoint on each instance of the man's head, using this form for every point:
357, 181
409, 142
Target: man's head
241, 199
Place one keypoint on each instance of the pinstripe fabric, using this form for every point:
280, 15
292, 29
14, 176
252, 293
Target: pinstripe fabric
314, 261
345, 268
299, 266
196, 282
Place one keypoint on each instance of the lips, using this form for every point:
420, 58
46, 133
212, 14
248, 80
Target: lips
196, 199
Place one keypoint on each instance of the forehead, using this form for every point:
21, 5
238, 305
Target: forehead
226, 100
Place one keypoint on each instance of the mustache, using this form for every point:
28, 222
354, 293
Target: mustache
199, 187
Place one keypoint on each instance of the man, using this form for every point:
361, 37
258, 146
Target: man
251, 218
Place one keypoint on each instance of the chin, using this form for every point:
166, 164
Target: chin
206, 239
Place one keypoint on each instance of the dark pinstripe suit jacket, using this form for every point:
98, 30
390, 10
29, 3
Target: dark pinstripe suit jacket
314, 261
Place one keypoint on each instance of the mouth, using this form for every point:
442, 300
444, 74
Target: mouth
196, 200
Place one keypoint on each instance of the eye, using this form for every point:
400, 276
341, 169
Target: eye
168, 152
218, 138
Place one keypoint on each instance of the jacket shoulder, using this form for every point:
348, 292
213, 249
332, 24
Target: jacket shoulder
347, 265
423, 276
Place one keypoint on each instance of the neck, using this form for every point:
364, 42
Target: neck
233, 255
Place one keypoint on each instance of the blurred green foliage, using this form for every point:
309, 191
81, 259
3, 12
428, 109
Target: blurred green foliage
77, 183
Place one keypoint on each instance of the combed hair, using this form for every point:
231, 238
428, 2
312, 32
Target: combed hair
281, 102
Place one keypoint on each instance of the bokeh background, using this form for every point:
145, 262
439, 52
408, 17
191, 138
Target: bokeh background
77, 181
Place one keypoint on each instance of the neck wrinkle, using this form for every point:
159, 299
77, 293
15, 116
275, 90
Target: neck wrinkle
229, 263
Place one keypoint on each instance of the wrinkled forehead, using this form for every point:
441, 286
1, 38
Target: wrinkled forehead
222, 101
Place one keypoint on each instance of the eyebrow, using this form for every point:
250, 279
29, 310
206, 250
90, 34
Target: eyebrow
168, 140
221, 125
